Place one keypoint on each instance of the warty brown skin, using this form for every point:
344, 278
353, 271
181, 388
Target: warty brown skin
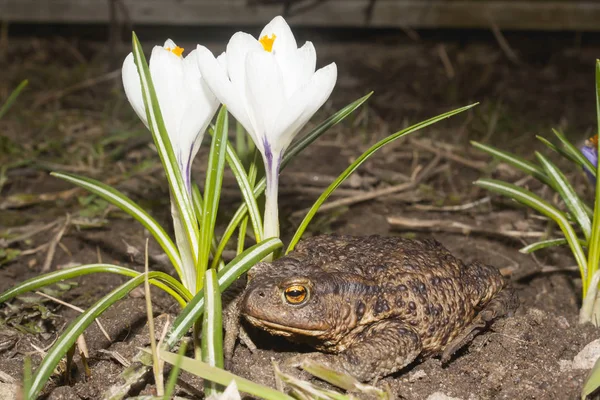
376, 302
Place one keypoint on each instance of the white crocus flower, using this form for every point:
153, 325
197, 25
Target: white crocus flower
271, 87
187, 106
186, 103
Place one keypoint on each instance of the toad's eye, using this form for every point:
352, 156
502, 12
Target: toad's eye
295, 294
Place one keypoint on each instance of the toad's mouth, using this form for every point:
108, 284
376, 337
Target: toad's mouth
283, 330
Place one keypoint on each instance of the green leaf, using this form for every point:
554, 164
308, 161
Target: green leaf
210, 373
542, 244
180, 193
323, 127
246, 187
594, 242
566, 191
363, 157
12, 98
517, 162
118, 199
212, 191
292, 151
226, 277
531, 200
575, 154
212, 328
161, 280
174, 374
76, 328
198, 206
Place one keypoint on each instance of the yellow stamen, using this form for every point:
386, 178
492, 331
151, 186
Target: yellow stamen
267, 42
178, 51
593, 141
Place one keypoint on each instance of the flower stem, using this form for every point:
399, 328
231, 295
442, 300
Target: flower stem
271, 219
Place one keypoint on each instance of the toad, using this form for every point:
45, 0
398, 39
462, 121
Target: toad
375, 303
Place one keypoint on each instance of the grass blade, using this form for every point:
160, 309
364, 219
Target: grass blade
212, 192
12, 98
212, 328
363, 157
226, 277
594, 248
76, 328
543, 244
246, 184
174, 374
575, 154
517, 162
531, 200
208, 372
570, 198
323, 127
118, 199
160, 280
165, 150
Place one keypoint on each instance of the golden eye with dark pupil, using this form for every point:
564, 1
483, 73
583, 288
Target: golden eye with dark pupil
295, 294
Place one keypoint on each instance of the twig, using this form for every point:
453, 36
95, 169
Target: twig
429, 146
443, 54
375, 193
53, 243
503, 43
73, 307
460, 207
75, 88
29, 231
444, 225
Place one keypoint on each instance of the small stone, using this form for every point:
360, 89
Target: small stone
441, 396
562, 322
415, 376
588, 356
8, 391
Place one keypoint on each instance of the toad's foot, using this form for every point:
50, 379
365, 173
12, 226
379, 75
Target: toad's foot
505, 303
384, 348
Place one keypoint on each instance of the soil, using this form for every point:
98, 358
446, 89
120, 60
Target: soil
60, 124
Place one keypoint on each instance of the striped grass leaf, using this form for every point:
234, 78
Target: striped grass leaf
68, 338
543, 207
212, 192
572, 201
123, 202
214, 374
212, 328
165, 150
361, 159
159, 279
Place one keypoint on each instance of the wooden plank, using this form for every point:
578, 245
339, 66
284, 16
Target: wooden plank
506, 14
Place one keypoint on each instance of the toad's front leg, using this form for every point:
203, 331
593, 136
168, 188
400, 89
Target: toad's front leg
380, 350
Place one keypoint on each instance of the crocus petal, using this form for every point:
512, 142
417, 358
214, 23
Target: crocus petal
133, 87
303, 104
201, 105
216, 78
238, 47
284, 43
167, 74
265, 95
303, 68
